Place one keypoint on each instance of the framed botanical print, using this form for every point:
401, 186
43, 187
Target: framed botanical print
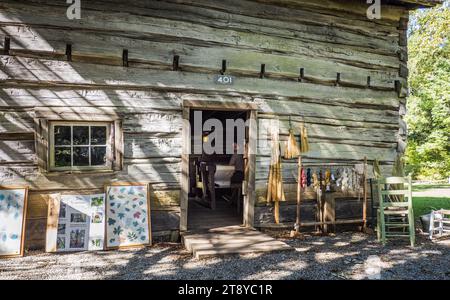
127, 215
13, 210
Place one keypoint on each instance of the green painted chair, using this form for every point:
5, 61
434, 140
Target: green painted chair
395, 212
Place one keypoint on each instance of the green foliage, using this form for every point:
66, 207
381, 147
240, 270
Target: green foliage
428, 118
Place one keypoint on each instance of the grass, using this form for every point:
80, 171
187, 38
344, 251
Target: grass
424, 205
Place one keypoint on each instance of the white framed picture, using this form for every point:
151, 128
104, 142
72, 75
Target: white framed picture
13, 209
80, 225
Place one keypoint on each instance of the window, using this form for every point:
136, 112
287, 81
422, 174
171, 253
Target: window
80, 146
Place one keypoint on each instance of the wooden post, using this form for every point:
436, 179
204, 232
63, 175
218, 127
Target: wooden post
184, 191
250, 193
365, 196
211, 184
299, 194
318, 220
52, 223
322, 203
278, 194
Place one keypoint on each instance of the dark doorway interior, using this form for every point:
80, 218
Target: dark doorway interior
215, 198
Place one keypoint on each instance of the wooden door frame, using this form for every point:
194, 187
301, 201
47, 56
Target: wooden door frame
250, 194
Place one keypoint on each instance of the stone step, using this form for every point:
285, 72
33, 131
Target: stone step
191, 244
230, 240
269, 247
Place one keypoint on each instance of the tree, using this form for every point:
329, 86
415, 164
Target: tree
428, 118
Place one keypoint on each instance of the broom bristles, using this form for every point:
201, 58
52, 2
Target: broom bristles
291, 149
376, 169
275, 190
304, 145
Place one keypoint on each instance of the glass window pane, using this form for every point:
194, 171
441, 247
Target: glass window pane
62, 135
81, 156
62, 157
98, 135
81, 135
98, 156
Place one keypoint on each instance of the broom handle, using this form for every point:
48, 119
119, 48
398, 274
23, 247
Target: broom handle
365, 195
299, 194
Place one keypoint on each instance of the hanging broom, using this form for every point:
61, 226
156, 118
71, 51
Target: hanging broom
293, 151
376, 169
304, 145
275, 189
398, 170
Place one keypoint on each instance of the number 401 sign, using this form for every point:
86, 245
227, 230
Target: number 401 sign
224, 79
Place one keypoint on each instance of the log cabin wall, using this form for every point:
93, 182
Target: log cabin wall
119, 64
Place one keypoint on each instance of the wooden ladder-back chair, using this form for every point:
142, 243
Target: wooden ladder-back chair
395, 213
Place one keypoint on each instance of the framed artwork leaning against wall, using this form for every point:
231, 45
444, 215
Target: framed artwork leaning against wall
128, 221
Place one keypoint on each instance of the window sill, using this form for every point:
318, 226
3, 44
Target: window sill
76, 172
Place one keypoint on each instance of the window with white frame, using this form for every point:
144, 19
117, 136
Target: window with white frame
80, 146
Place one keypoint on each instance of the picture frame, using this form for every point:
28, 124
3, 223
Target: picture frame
111, 222
22, 211
76, 223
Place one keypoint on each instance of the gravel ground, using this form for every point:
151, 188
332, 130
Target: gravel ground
442, 192
343, 256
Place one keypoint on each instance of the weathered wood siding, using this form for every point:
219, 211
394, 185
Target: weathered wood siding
347, 119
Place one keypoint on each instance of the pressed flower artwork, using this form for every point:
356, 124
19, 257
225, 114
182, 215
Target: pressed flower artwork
127, 209
12, 203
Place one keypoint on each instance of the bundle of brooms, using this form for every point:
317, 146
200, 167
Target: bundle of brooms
275, 189
275, 186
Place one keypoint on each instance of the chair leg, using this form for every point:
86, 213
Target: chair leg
431, 227
412, 230
383, 228
378, 226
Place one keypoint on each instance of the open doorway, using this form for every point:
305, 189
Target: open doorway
217, 164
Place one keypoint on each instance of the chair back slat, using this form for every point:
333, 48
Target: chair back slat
396, 204
394, 189
395, 192
395, 197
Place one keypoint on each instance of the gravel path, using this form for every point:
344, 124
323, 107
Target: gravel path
344, 256
442, 192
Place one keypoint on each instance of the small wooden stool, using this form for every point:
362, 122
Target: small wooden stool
441, 218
